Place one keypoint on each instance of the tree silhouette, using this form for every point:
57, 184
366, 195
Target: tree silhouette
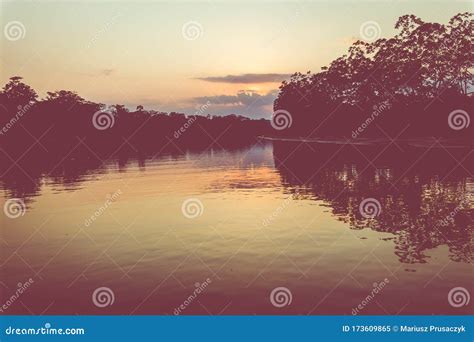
65, 126
423, 63
15, 92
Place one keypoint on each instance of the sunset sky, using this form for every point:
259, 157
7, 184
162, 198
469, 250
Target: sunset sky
176, 56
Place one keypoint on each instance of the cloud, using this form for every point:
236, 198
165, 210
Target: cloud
243, 98
245, 102
107, 72
246, 78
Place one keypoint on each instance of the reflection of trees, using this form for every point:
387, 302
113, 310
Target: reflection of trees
25, 178
417, 199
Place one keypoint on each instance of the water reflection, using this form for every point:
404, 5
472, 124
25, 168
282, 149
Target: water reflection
426, 197
274, 215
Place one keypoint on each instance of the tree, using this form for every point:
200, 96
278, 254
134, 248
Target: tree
414, 67
18, 93
119, 110
65, 97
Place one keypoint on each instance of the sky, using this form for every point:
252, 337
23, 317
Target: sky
205, 57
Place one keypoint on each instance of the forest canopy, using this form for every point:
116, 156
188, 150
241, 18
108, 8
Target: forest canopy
421, 74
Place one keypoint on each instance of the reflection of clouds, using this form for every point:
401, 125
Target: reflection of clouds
242, 169
260, 155
251, 178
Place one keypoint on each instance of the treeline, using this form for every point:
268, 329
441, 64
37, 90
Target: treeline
409, 83
65, 125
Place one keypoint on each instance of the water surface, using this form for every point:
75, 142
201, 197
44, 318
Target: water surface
271, 216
